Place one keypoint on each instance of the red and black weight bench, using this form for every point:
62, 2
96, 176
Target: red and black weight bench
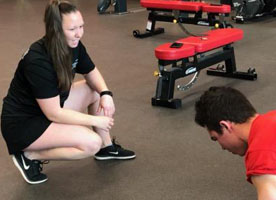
187, 12
190, 55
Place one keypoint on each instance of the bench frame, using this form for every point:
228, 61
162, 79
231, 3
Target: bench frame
187, 66
186, 17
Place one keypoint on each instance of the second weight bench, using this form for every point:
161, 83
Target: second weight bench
190, 55
188, 12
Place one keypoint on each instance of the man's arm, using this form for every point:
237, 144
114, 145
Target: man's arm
266, 186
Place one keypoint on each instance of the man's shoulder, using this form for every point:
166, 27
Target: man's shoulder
265, 120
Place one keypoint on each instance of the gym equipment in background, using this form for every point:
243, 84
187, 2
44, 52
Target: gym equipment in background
188, 56
120, 6
249, 9
177, 11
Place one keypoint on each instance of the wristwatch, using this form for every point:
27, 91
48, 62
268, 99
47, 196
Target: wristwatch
107, 92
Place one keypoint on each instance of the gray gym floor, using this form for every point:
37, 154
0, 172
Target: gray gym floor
175, 158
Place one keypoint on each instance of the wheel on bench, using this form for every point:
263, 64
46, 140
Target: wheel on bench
136, 33
251, 71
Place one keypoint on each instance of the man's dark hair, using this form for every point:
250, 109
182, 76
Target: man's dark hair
222, 103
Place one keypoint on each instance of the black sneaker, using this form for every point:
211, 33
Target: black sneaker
30, 169
115, 151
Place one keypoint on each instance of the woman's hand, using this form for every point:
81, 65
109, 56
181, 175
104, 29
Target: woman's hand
103, 122
106, 105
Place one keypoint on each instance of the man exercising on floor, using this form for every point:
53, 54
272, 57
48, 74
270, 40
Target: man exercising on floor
232, 121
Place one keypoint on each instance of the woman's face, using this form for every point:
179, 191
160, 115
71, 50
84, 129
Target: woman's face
72, 24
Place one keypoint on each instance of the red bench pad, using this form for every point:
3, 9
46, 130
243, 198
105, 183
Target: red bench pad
165, 52
216, 8
192, 45
172, 5
185, 6
214, 39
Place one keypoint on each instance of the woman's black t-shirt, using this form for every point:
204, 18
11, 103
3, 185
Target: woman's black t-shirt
36, 78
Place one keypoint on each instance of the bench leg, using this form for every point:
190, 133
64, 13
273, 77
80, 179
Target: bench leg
165, 90
150, 29
148, 33
230, 71
174, 103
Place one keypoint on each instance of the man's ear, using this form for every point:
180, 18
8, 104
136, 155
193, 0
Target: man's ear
226, 125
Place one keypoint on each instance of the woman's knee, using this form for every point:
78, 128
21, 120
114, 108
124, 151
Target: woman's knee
81, 96
95, 96
92, 145
92, 97
91, 94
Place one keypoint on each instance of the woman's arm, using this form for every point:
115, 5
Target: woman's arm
52, 110
95, 80
266, 186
